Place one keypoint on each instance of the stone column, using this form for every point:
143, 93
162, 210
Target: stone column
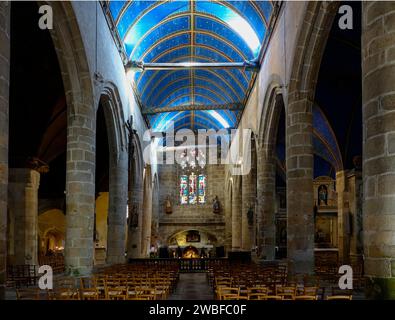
4, 93
236, 213
354, 181
343, 212
266, 176
118, 185
228, 217
135, 220
248, 200
378, 87
23, 205
300, 200
147, 214
80, 188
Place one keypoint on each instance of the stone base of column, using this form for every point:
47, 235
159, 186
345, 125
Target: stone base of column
303, 265
380, 288
23, 204
115, 259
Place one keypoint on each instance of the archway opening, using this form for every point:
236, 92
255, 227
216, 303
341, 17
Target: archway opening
101, 186
37, 132
337, 142
280, 187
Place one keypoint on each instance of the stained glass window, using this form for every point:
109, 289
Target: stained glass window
202, 188
192, 189
184, 189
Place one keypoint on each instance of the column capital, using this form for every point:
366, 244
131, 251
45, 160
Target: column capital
25, 175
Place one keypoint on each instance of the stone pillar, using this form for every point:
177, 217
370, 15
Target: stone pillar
135, 220
266, 197
80, 188
354, 182
248, 200
236, 213
378, 87
147, 214
228, 217
4, 93
343, 212
118, 186
23, 205
300, 200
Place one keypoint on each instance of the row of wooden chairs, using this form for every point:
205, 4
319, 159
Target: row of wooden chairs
117, 282
281, 293
114, 293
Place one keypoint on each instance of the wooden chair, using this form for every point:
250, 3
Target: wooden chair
27, 294
273, 297
146, 292
229, 293
339, 297
308, 292
132, 293
257, 296
65, 294
115, 293
89, 294
303, 297
288, 293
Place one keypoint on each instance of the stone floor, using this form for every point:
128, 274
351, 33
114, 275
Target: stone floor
192, 286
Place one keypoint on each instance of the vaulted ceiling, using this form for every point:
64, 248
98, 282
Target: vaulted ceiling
192, 31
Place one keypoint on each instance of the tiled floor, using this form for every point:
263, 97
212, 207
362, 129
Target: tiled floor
192, 286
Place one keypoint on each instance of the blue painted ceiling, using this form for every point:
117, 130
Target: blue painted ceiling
192, 31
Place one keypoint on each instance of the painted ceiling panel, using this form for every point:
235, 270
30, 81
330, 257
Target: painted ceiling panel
192, 31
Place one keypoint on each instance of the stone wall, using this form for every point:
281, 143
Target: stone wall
197, 217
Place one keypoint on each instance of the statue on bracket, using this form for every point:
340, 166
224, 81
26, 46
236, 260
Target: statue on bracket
168, 208
216, 205
322, 195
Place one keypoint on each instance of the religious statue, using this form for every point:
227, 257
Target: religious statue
250, 216
168, 208
216, 205
322, 195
